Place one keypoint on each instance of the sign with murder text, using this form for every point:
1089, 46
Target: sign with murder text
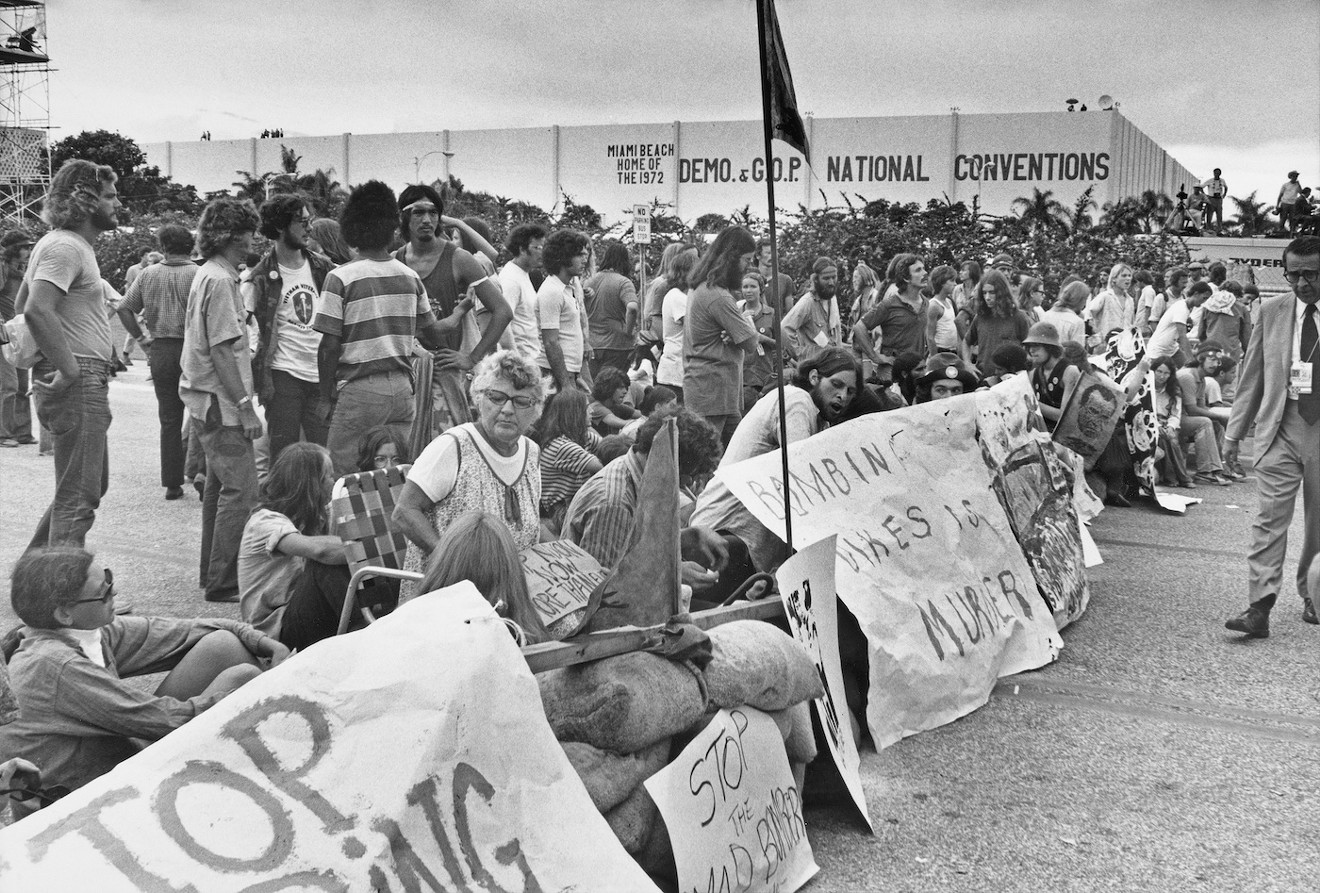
413, 755
925, 557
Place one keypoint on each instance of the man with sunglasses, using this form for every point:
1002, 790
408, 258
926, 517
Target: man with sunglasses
279, 294
77, 717
1280, 394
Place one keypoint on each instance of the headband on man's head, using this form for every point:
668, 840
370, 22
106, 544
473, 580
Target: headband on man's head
419, 192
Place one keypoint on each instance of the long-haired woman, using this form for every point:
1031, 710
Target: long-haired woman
478, 547
997, 322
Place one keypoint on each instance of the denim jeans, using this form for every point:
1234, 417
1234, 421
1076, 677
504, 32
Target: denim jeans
294, 411
230, 496
78, 420
163, 356
15, 411
364, 403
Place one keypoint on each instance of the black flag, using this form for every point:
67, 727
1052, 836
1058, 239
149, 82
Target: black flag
785, 120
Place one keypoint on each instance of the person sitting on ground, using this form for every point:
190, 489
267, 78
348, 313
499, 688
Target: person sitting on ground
78, 718
610, 409
600, 517
567, 461
823, 387
285, 540
489, 463
478, 547
1011, 359
657, 399
1051, 376
614, 446
1200, 390
1168, 408
946, 375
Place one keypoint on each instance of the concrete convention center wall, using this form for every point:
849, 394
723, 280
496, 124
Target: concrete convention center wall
717, 166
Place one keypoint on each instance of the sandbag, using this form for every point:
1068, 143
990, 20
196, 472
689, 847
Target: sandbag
610, 777
757, 664
795, 725
632, 819
621, 704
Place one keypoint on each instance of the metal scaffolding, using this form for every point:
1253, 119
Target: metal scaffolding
24, 110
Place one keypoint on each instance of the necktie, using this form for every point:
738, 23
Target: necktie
1309, 404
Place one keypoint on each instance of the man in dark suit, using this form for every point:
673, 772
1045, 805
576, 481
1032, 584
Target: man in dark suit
1281, 395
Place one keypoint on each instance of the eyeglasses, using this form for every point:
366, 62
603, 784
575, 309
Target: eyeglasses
1293, 276
385, 461
499, 398
105, 593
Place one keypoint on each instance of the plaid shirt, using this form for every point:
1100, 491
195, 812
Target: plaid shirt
160, 294
600, 517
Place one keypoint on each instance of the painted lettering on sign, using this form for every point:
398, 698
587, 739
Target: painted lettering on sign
874, 168
723, 170
639, 163
1023, 166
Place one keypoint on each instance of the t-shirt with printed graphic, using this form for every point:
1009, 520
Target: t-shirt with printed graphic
296, 341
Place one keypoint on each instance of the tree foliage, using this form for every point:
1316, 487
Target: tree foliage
143, 189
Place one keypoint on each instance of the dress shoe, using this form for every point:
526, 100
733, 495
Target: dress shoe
1253, 622
222, 597
26, 439
1308, 611
174, 493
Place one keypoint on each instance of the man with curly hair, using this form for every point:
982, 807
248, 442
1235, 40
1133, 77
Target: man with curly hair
216, 386
560, 312
369, 313
66, 314
281, 294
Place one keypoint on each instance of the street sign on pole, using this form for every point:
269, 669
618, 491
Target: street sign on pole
642, 224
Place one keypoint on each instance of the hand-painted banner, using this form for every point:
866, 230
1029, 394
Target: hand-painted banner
733, 813
807, 582
412, 755
1036, 482
1091, 410
927, 560
560, 578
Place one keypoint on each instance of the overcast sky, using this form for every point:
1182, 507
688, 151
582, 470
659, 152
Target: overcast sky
1223, 84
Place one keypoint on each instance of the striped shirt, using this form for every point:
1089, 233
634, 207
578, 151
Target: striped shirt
375, 308
600, 517
563, 472
160, 294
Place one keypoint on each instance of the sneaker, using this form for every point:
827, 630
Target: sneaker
8, 443
26, 440
1211, 478
1234, 470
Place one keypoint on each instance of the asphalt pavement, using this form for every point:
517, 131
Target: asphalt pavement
1160, 752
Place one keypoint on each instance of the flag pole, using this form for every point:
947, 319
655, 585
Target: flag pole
767, 126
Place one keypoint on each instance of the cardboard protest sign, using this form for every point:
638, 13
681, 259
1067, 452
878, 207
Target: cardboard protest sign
560, 578
807, 582
1091, 409
412, 755
733, 813
1036, 483
927, 560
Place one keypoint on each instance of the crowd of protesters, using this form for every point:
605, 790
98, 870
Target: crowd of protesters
520, 390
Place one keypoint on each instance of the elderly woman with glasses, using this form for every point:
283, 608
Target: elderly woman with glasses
77, 717
488, 465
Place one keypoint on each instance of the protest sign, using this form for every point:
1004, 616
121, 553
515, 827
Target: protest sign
1036, 482
560, 578
807, 582
927, 561
1091, 409
733, 813
414, 754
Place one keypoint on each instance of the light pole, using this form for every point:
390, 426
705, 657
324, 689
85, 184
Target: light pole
417, 162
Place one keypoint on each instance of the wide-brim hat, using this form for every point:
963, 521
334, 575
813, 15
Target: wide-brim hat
948, 367
1044, 334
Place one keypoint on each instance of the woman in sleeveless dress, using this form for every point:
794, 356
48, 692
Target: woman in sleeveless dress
487, 465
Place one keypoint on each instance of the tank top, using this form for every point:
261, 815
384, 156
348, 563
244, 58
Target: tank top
441, 290
479, 488
946, 330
